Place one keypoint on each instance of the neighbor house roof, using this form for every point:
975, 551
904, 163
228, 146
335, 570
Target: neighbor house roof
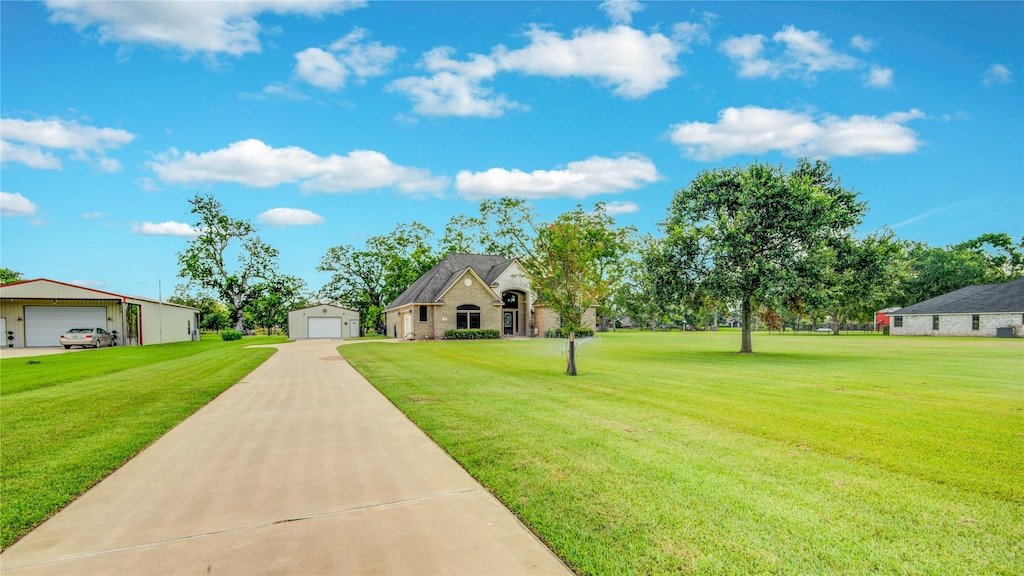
982, 298
432, 285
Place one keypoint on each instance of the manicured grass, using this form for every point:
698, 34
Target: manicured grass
68, 420
671, 453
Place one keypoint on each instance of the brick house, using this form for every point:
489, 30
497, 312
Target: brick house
972, 311
470, 291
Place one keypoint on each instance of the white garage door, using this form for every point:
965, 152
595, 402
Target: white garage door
325, 327
45, 324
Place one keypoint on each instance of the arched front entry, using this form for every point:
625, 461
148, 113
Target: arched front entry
515, 317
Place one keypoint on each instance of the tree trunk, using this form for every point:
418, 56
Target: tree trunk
835, 327
571, 368
745, 347
714, 327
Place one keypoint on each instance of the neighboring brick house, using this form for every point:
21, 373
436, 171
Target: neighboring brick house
979, 310
469, 291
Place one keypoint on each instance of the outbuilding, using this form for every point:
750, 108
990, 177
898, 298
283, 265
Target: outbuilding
323, 321
34, 313
980, 310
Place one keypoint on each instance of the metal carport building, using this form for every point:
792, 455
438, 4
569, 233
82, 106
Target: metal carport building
35, 313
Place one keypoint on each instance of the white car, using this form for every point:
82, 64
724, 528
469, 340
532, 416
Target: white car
86, 337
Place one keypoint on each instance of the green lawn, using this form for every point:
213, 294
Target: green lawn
671, 453
68, 420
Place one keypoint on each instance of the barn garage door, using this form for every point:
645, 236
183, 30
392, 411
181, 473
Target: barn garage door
325, 327
45, 324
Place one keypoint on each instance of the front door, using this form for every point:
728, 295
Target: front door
508, 323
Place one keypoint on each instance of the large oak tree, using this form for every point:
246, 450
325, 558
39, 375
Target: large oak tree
205, 262
370, 278
743, 233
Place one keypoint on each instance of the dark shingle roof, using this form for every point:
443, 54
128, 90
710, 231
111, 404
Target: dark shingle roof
983, 298
433, 284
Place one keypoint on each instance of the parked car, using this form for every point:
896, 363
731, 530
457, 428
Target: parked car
94, 337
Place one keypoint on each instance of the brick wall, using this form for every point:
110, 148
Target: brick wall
954, 325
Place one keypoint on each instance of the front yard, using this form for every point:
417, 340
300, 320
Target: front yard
68, 420
671, 453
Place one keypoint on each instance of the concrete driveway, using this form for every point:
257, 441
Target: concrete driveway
300, 468
23, 352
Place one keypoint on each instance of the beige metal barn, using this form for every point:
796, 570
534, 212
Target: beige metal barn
34, 313
323, 321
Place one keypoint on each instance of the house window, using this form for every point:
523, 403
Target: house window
897, 321
467, 316
423, 313
975, 322
510, 300
935, 322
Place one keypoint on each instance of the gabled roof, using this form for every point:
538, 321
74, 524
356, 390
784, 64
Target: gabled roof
44, 288
979, 299
431, 286
323, 305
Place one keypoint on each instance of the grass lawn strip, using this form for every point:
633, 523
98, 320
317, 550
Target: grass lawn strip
818, 455
69, 420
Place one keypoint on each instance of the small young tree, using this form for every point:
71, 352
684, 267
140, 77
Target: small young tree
204, 261
566, 269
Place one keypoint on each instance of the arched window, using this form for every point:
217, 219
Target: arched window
467, 316
510, 301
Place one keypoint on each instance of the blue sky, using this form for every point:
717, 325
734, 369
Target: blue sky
328, 122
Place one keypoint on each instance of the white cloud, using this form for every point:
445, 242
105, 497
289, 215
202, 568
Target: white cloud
93, 215
90, 283
686, 34
621, 11
320, 68
108, 164
169, 228
364, 59
619, 207
997, 74
455, 88
746, 51
804, 55
277, 90
14, 204
754, 130
282, 217
595, 175
29, 155
257, 165
812, 51
147, 184
192, 27
32, 136
879, 77
862, 43
630, 62
348, 56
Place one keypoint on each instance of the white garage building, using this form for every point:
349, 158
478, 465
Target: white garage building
34, 313
323, 321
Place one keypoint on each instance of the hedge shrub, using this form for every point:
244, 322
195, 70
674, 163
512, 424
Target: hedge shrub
472, 334
563, 333
231, 335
